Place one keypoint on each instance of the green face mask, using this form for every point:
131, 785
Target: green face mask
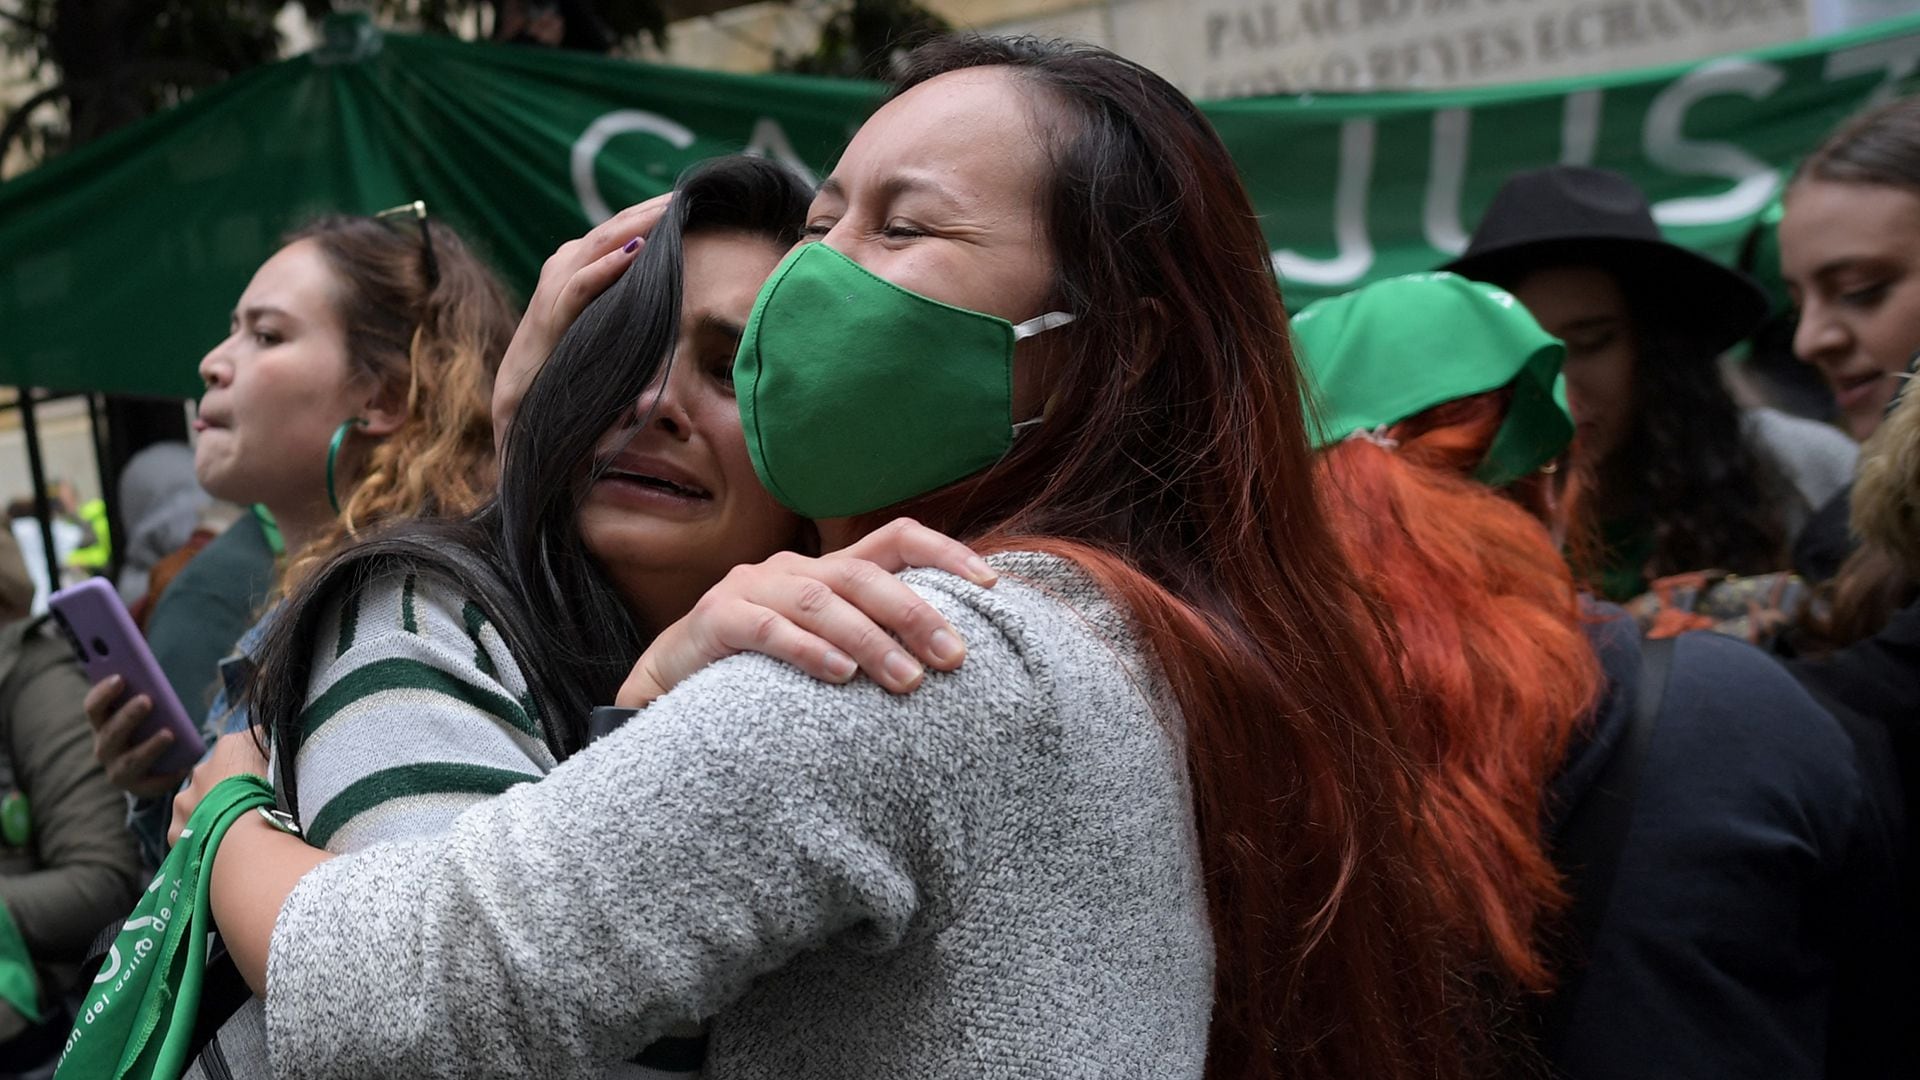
856, 394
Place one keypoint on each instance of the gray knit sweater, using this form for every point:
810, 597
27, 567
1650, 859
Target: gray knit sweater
996, 875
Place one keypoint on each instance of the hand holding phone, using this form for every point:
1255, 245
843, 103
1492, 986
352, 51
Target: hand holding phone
108, 645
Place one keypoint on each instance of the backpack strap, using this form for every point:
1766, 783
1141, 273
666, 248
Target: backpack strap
1588, 843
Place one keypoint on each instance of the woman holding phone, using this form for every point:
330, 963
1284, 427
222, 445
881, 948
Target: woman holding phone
354, 386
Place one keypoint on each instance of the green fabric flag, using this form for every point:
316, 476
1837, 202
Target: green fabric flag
138, 1018
19, 983
120, 261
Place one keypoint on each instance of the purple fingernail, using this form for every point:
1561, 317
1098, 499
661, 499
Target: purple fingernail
632, 246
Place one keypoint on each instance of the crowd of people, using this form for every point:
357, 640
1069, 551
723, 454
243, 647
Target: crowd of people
954, 622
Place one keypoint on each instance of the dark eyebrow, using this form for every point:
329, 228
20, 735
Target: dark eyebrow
714, 324
895, 185
1849, 262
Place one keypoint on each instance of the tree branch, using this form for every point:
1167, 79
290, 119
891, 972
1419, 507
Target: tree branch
185, 70
17, 119
22, 22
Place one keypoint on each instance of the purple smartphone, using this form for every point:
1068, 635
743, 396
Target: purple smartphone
103, 636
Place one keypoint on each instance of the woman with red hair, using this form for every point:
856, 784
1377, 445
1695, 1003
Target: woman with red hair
1751, 875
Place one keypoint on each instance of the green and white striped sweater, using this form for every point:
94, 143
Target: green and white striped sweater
415, 712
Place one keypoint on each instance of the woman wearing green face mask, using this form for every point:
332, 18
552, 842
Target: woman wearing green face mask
1155, 825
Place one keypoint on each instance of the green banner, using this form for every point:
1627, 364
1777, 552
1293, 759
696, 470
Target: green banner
119, 262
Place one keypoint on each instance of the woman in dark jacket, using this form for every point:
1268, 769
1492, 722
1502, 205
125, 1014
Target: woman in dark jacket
1741, 929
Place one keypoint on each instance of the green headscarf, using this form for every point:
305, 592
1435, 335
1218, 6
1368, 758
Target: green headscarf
1396, 348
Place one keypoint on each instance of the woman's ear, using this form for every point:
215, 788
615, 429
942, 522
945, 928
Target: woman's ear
385, 411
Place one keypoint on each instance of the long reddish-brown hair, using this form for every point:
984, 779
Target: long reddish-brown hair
1174, 467
1498, 669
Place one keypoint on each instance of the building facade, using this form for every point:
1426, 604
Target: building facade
1239, 48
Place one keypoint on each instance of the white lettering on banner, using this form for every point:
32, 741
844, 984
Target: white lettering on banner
1355, 256
1580, 127
1239, 47
1667, 147
113, 966
586, 151
1446, 170
769, 139
1897, 58
120, 973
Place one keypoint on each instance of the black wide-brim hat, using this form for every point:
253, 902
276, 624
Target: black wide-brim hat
1574, 215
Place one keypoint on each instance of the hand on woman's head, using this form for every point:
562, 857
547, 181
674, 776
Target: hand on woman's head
572, 276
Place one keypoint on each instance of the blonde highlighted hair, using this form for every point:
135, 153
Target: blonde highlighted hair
431, 326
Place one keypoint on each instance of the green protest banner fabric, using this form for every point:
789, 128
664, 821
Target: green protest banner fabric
139, 1013
120, 262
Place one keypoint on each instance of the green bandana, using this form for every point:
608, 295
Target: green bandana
19, 983
1396, 348
138, 1017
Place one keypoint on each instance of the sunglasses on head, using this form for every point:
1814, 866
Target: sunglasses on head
417, 211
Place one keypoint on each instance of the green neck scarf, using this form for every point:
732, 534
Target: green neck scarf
138, 1017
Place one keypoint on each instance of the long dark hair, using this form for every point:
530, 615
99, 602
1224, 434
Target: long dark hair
1174, 467
521, 557
1714, 499
1685, 466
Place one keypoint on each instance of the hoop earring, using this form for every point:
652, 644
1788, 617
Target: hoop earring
333, 455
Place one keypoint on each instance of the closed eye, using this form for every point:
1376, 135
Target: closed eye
1865, 297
